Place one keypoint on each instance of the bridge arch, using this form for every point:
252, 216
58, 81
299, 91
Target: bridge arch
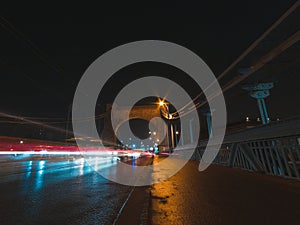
146, 113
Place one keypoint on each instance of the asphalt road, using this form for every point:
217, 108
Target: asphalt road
56, 190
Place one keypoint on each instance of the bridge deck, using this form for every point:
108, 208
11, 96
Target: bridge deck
222, 195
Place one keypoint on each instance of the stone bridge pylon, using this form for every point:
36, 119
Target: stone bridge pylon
145, 112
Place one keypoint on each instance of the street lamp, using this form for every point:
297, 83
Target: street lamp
161, 103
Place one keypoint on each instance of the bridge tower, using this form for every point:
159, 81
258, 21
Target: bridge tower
208, 113
260, 92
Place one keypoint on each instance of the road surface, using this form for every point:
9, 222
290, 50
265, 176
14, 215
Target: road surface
57, 190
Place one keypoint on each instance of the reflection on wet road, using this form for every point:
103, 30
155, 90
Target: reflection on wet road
58, 190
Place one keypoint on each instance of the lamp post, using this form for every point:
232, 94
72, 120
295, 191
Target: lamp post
176, 135
161, 104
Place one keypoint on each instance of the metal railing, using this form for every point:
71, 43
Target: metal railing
272, 149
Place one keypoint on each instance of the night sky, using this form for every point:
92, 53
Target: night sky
46, 47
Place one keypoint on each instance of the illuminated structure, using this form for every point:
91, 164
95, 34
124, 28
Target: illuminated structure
260, 92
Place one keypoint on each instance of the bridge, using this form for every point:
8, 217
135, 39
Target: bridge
254, 178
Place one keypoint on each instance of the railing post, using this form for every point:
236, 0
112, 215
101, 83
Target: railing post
250, 157
232, 154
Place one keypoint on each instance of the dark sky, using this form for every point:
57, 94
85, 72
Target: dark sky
46, 47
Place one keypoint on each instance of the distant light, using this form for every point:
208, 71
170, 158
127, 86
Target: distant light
247, 119
82, 161
21, 142
41, 166
157, 140
133, 145
149, 132
258, 119
278, 119
161, 103
154, 133
177, 132
136, 154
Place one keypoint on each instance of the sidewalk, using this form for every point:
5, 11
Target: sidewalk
224, 196
218, 196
